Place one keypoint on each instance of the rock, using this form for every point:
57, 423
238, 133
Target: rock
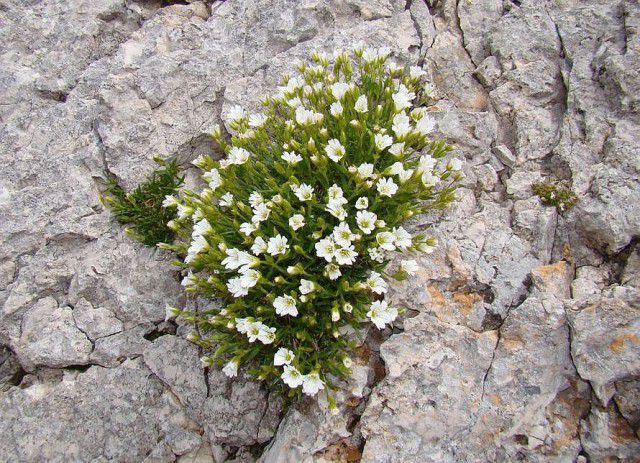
95, 322
112, 350
505, 155
176, 362
424, 394
628, 401
108, 413
553, 279
50, 338
589, 280
607, 436
605, 341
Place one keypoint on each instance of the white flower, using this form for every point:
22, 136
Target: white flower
236, 288
381, 314
405, 175
189, 280
277, 245
382, 141
306, 116
198, 245
259, 246
362, 203
296, 221
393, 66
248, 228
266, 334
334, 150
336, 210
231, 369
397, 149
291, 377
285, 305
376, 254
396, 168
332, 271
346, 255
409, 266
283, 357
454, 164
425, 125
386, 187
214, 179
366, 221
238, 156
426, 163
336, 109
201, 228
294, 102
291, 157
339, 89
226, 200
386, 240
342, 234
336, 195
236, 259
401, 124
304, 192
403, 238
260, 213
255, 199
169, 201
243, 325
257, 120
428, 179
365, 171
347, 362
326, 248
306, 286
375, 283
312, 383
250, 278
415, 72
402, 98
236, 113
200, 161
361, 104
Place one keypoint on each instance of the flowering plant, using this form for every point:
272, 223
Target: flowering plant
295, 228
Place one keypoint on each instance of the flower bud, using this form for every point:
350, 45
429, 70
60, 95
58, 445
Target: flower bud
335, 314
222, 246
193, 337
347, 362
295, 269
279, 280
347, 307
206, 361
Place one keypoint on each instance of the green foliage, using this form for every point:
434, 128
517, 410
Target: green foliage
556, 194
298, 224
142, 209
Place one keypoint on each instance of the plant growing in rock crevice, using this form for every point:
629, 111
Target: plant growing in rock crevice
558, 195
141, 209
296, 226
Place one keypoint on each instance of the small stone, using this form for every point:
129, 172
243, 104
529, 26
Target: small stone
95, 322
505, 155
50, 338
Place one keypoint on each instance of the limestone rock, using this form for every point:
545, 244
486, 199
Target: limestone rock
605, 342
103, 413
95, 322
50, 338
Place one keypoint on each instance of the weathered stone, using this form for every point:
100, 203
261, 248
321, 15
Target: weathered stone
628, 401
50, 338
607, 436
605, 341
103, 413
176, 362
95, 322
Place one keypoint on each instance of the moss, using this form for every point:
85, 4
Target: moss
556, 194
141, 209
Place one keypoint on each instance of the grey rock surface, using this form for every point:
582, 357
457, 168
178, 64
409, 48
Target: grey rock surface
521, 336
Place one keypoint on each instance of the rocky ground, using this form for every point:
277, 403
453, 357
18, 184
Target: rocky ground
523, 335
